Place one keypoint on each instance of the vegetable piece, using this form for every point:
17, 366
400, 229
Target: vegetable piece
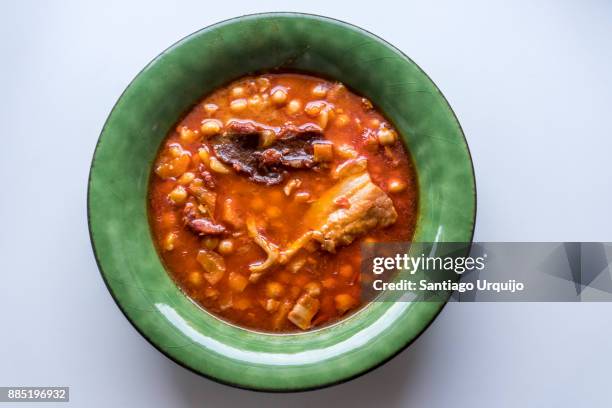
213, 264
258, 269
303, 311
237, 282
323, 151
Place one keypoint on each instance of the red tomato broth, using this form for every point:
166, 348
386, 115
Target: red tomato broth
351, 121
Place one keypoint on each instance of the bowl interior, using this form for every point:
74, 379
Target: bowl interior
164, 91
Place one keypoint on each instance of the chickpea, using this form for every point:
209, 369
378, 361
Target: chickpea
226, 247
329, 283
274, 289
374, 123
178, 195
217, 166
169, 241
242, 303
211, 293
175, 150
187, 135
210, 127
273, 211
238, 105
186, 178
319, 91
204, 155
279, 96
396, 186
342, 120
314, 108
255, 102
210, 108
195, 278
237, 92
346, 271
257, 203
386, 136
263, 83
323, 119
294, 107
210, 242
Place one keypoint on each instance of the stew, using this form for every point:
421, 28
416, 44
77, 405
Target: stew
261, 196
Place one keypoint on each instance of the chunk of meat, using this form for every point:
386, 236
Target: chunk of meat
213, 265
303, 311
360, 206
240, 146
349, 209
199, 224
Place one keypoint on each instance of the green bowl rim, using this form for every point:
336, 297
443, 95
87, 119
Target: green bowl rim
235, 384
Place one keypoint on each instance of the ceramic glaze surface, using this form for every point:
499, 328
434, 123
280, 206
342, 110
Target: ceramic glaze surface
157, 99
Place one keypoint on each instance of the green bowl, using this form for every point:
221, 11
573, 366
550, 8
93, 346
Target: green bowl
164, 91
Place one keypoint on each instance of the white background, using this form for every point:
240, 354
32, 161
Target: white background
531, 84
